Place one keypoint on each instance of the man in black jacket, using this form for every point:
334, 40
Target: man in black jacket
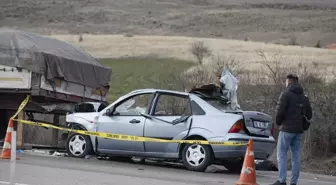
292, 104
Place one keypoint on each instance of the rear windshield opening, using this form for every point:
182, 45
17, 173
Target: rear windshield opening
212, 95
218, 104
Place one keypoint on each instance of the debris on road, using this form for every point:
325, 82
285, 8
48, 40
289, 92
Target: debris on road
58, 154
90, 157
140, 160
265, 165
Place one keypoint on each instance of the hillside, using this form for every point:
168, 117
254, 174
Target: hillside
302, 21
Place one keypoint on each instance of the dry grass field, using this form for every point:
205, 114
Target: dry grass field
246, 53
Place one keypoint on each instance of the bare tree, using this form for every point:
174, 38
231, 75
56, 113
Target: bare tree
200, 51
219, 62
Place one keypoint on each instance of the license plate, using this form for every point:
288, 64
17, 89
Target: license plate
260, 124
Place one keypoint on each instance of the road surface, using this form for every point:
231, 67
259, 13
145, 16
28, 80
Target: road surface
42, 170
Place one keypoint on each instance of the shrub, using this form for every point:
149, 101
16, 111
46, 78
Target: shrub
128, 35
200, 51
80, 39
318, 44
293, 41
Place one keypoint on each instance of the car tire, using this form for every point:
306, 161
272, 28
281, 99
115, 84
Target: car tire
78, 145
197, 157
234, 165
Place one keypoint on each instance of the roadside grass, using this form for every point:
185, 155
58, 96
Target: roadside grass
134, 73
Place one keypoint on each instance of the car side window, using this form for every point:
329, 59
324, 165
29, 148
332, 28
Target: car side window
172, 105
134, 105
196, 109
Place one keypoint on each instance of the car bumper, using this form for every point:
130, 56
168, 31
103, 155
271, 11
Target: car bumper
263, 148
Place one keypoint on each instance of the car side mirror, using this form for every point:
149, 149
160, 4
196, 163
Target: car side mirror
111, 112
108, 112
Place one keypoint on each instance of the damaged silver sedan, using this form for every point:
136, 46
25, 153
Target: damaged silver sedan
172, 115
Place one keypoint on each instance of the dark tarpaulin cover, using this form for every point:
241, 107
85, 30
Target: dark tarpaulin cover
52, 58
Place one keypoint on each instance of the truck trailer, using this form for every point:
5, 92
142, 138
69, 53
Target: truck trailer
56, 74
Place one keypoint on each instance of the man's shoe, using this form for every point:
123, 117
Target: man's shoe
292, 184
279, 183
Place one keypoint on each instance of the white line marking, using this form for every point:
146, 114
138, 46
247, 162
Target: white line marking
3, 182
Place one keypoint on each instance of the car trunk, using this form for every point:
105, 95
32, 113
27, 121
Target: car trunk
256, 123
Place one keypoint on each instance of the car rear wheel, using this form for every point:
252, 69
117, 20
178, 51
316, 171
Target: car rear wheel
197, 157
79, 145
234, 165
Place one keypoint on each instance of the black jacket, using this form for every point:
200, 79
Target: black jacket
289, 112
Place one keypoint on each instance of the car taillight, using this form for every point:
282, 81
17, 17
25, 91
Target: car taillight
237, 127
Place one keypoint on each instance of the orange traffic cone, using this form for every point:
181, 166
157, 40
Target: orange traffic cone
6, 150
248, 173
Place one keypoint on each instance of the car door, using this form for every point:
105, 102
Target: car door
167, 108
124, 120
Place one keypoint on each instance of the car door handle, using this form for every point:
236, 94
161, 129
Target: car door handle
134, 121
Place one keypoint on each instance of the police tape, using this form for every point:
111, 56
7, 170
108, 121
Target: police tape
118, 136
21, 107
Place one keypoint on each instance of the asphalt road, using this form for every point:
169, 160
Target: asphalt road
49, 170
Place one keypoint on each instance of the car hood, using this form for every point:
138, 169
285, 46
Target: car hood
89, 116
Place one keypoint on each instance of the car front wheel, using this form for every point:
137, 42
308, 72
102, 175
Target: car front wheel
79, 145
197, 157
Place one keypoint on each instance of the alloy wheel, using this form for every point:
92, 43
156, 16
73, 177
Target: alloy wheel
77, 145
195, 155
